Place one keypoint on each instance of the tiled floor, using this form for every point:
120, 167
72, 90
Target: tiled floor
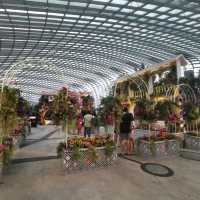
42, 177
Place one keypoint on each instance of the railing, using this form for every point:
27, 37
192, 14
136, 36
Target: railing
192, 127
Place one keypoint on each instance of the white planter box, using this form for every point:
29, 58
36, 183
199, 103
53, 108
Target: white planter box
84, 163
192, 142
159, 148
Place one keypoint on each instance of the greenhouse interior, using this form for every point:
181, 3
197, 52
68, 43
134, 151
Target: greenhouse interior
99, 99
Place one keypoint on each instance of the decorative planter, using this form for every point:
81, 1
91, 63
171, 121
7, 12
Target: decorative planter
159, 148
192, 142
85, 163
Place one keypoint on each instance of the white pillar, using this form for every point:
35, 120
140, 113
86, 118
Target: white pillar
178, 69
150, 85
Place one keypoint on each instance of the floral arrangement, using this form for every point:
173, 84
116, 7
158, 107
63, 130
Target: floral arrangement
97, 141
158, 137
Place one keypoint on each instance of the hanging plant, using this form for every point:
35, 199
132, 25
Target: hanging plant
144, 110
191, 112
164, 108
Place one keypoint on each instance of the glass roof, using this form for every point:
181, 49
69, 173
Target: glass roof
91, 42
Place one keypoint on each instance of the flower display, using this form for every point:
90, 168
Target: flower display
158, 137
97, 141
2, 147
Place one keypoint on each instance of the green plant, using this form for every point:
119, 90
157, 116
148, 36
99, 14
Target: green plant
8, 114
76, 154
152, 147
61, 146
7, 153
60, 107
166, 107
192, 112
109, 149
92, 153
144, 110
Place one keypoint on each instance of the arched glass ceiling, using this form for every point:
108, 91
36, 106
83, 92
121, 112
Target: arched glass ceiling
93, 41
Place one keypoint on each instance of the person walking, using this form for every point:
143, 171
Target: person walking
125, 130
88, 124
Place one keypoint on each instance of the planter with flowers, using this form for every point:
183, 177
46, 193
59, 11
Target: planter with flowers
158, 145
157, 142
86, 153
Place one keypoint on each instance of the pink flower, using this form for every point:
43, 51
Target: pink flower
2, 147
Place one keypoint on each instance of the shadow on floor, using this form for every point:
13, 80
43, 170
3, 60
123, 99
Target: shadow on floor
27, 143
34, 159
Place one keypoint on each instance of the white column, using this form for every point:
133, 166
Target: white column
150, 85
178, 69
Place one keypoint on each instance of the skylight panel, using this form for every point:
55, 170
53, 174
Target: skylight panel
135, 4
112, 8
150, 6
120, 2
175, 11
15, 11
163, 16
126, 10
173, 18
79, 4
152, 14
187, 13
140, 12
59, 2
197, 16
163, 9
97, 6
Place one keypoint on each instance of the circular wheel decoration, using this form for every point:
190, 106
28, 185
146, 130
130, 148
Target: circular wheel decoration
157, 169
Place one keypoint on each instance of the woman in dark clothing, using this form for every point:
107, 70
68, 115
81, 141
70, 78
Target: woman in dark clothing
125, 129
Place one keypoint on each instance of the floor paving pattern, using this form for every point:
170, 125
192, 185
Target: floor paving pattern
36, 174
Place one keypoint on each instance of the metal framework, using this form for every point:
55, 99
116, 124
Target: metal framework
93, 41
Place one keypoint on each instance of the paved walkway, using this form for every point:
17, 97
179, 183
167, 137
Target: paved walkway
37, 175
